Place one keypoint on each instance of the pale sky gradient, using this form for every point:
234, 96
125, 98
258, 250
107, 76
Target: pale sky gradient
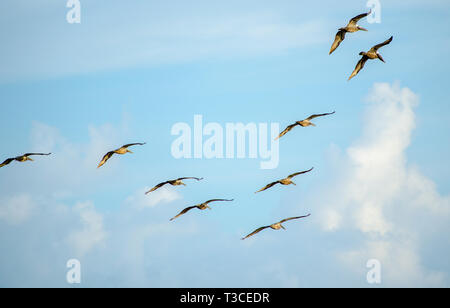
131, 70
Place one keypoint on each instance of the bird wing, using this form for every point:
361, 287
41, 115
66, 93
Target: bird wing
105, 158
292, 218
31, 154
359, 67
131, 144
6, 162
216, 200
319, 115
267, 186
355, 19
184, 212
189, 178
298, 173
256, 231
340, 36
157, 186
388, 41
288, 129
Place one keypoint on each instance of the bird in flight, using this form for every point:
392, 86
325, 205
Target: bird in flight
21, 159
176, 182
372, 54
275, 226
202, 206
285, 181
122, 150
351, 27
304, 123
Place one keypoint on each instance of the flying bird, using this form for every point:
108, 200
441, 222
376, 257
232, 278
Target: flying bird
304, 123
176, 182
122, 150
285, 181
351, 27
202, 206
22, 158
372, 54
275, 226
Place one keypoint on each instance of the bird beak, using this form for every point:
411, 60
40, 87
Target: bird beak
363, 29
130, 152
283, 227
381, 58
294, 183
30, 159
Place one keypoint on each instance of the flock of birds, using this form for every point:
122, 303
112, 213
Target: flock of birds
372, 54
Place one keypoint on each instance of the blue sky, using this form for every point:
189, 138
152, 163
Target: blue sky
130, 71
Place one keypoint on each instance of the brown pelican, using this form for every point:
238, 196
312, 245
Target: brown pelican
275, 226
122, 150
304, 123
202, 206
372, 54
22, 158
286, 181
176, 182
351, 27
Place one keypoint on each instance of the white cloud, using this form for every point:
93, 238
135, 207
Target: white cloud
385, 198
92, 232
17, 209
163, 195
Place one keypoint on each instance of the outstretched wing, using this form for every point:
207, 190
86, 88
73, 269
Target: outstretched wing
359, 67
292, 218
298, 173
267, 186
288, 129
216, 200
355, 19
157, 186
319, 115
131, 144
254, 232
340, 36
6, 162
184, 212
189, 178
31, 154
388, 41
105, 158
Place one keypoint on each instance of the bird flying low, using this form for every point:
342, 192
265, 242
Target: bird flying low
304, 123
202, 206
23, 158
122, 150
176, 182
285, 181
372, 54
275, 226
351, 27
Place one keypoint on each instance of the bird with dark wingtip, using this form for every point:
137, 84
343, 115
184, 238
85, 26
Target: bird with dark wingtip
275, 226
176, 182
285, 181
351, 27
201, 206
372, 54
122, 150
304, 123
22, 159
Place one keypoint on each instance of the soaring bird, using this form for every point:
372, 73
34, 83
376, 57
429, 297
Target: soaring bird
22, 158
275, 226
202, 206
176, 182
372, 54
304, 123
351, 27
285, 181
122, 150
